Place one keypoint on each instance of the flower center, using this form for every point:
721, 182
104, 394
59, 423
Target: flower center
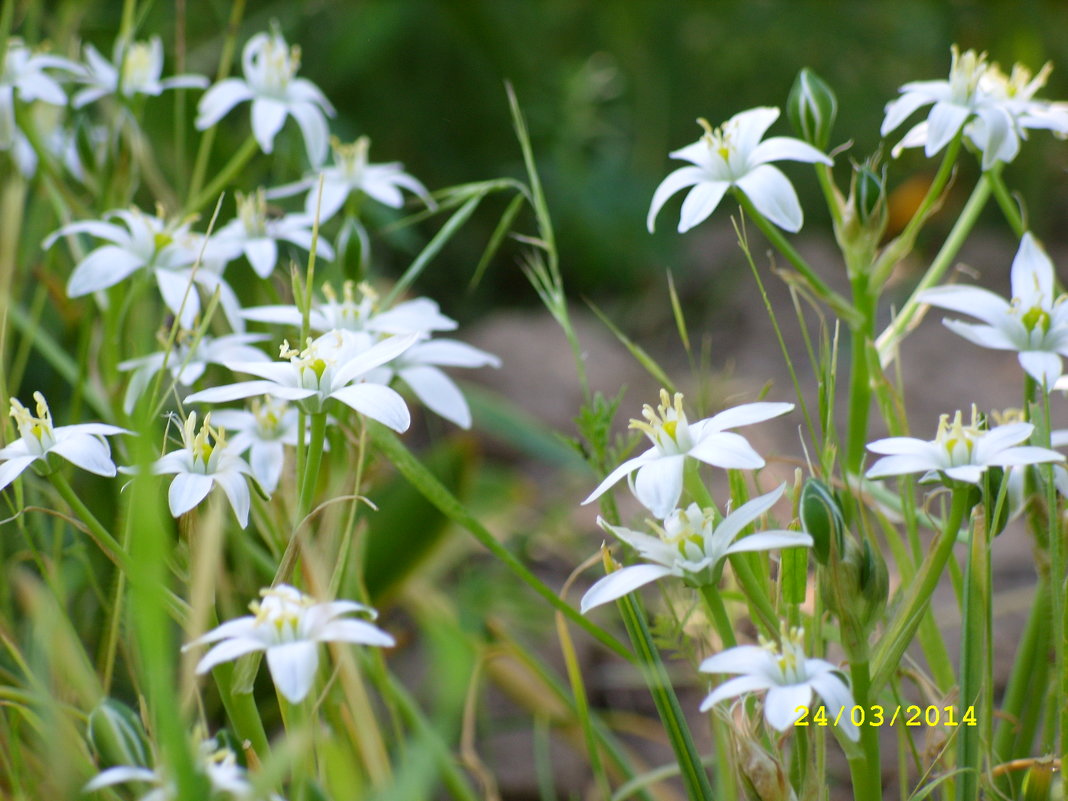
349, 313
1036, 318
268, 415
311, 365
352, 158
281, 610
791, 660
203, 444
717, 139
252, 209
139, 69
277, 66
957, 439
667, 426
965, 72
37, 432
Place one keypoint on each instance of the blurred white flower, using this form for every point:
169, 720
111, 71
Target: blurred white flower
188, 360
167, 248
351, 172
1034, 323
961, 452
288, 626
733, 155
263, 432
205, 459
135, 68
789, 679
83, 445
658, 484
995, 110
323, 370
218, 764
270, 68
23, 78
254, 234
691, 546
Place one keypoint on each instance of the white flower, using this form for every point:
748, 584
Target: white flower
256, 236
733, 155
23, 76
658, 484
263, 432
218, 764
1034, 323
289, 626
135, 69
789, 679
691, 546
961, 452
349, 313
204, 460
187, 362
83, 445
995, 110
314, 377
351, 172
167, 248
270, 69
418, 368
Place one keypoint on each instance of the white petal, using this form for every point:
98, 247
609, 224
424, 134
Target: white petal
180, 295
727, 450
945, 120
267, 118
438, 393
219, 99
266, 460
740, 659
359, 632
262, 254
774, 196
624, 469
902, 464
998, 439
836, 696
749, 127
1025, 454
12, 469
985, 336
971, 473
227, 651
236, 488
333, 198
733, 688
293, 667
1043, 366
897, 111
676, 181
104, 267
973, 300
240, 627
901, 445
746, 514
450, 353
619, 583
771, 540
247, 389
119, 775
313, 126
658, 484
700, 202
786, 148
781, 705
377, 402
744, 415
87, 452
187, 490
375, 356
1032, 273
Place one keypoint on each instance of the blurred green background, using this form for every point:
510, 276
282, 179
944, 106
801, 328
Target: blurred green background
609, 88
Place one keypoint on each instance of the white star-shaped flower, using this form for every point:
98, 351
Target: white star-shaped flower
691, 546
658, 483
962, 453
270, 67
263, 432
256, 235
135, 69
1034, 323
83, 445
23, 77
788, 676
288, 626
352, 172
733, 155
325, 369
205, 459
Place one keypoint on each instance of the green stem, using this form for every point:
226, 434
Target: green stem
840, 305
667, 704
1011, 738
311, 465
899, 633
865, 771
1058, 620
895, 332
972, 661
859, 376
1005, 201
720, 618
100, 535
223, 178
242, 711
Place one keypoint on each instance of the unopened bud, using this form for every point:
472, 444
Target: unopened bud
821, 518
117, 735
812, 108
869, 198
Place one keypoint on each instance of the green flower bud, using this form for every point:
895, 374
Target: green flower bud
821, 518
874, 580
117, 736
869, 197
812, 108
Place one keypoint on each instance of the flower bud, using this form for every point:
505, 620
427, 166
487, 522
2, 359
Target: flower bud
821, 518
812, 108
117, 735
869, 197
